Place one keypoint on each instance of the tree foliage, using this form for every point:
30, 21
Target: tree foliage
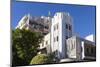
42, 59
39, 59
24, 46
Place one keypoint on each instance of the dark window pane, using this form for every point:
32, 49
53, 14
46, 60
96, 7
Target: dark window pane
66, 26
57, 26
54, 28
66, 37
46, 42
57, 38
70, 27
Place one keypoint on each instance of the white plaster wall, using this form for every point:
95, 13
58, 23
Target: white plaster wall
61, 19
46, 38
71, 47
55, 45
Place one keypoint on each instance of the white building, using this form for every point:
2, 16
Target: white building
37, 24
45, 45
80, 49
23, 23
61, 29
59, 37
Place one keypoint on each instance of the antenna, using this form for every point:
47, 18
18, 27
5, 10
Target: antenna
28, 15
49, 13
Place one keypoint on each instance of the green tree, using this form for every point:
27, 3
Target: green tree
42, 59
24, 46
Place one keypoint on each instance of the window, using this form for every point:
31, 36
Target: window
42, 45
57, 26
46, 27
54, 28
57, 38
46, 42
66, 26
70, 27
81, 49
87, 49
66, 37
56, 52
92, 51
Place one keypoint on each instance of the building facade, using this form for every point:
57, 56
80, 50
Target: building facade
37, 24
61, 29
58, 37
80, 49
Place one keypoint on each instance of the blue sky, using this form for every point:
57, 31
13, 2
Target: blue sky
83, 16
